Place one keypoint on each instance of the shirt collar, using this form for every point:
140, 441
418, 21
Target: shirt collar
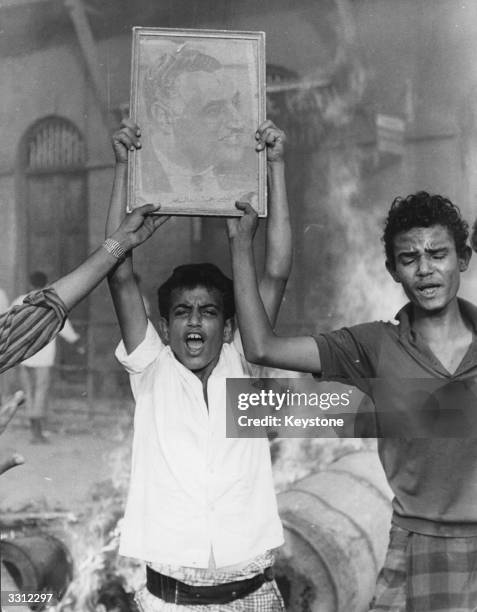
468, 310
218, 370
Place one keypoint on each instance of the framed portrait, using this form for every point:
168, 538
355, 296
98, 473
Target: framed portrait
198, 97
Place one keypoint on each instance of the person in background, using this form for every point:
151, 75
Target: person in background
36, 371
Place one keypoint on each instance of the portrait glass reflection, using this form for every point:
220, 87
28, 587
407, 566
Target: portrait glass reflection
198, 97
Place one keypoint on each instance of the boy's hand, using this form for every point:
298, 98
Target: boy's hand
138, 226
241, 230
127, 138
270, 137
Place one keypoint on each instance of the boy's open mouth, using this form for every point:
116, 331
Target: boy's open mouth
194, 341
428, 290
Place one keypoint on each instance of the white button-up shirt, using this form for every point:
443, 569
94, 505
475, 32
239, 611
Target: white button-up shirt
192, 490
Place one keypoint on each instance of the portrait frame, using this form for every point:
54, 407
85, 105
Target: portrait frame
198, 97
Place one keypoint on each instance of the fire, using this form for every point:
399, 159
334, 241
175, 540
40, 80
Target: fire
94, 542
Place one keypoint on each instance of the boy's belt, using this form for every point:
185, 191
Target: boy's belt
174, 591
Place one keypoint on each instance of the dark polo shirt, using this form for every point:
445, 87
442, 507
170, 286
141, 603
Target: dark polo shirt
426, 415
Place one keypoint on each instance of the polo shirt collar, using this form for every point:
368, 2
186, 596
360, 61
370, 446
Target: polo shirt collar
468, 310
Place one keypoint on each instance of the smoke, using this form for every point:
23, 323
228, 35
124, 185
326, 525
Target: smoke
297, 458
343, 256
364, 289
339, 254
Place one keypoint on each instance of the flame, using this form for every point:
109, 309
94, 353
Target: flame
94, 540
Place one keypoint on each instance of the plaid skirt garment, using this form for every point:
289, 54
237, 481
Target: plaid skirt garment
427, 574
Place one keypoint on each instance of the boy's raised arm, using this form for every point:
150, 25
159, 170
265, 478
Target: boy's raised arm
278, 248
127, 298
261, 344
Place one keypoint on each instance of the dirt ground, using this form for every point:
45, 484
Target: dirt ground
58, 475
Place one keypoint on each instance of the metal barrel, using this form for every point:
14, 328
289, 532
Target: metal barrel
38, 562
336, 525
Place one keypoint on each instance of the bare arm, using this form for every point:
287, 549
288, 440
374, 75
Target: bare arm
278, 254
136, 228
261, 344
127, 298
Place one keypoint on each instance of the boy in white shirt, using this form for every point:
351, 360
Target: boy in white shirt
201, 509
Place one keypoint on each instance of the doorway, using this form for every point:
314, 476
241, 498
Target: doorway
56, 220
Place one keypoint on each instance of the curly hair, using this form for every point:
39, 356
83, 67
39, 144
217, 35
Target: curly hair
191, 276
473, 237
423, 210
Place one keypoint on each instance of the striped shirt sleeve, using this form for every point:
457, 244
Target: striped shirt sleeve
27, 328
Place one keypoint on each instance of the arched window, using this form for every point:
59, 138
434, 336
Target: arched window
54, 144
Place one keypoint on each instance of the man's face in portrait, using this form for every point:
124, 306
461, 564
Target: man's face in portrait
206, 125
428, 266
